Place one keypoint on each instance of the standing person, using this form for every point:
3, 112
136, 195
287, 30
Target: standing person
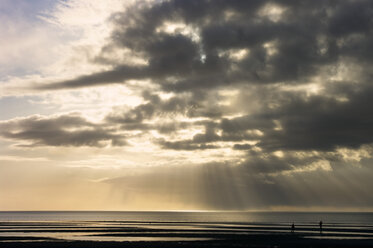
320, 224
292, 228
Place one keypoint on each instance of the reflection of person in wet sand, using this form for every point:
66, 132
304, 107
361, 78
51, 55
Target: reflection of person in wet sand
292, 228
320, 224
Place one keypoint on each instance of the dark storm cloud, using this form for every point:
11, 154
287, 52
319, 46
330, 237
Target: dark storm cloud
184, 145
185, 105
153, 106
270, 163
308, 36
309, 42
352, 17
64, 130
299, 123
322, 122
243, 123
208, 138
200, 141
119, 74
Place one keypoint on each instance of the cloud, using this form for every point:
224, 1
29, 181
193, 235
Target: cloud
306, 38
186, 106
321, 122
117, 75
64, 130
279, 90
196, 58
184, 145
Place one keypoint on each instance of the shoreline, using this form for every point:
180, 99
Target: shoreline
136, 234
257, 240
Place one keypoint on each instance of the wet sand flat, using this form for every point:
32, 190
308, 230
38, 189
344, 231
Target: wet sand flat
179, 234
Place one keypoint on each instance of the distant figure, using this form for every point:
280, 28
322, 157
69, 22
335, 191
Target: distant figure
320, 224
292, 228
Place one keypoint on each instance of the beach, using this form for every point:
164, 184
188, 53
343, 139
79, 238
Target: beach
140, 233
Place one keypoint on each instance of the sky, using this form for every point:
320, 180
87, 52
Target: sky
186, 105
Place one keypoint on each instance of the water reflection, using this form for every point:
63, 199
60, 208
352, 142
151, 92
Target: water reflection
166, 231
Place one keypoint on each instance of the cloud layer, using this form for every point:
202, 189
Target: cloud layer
64, 130
257, 77
272, 92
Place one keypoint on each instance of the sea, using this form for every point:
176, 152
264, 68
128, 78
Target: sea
352, 218
44, 226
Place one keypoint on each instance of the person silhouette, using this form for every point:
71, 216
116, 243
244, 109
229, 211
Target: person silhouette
320, 224
292, 228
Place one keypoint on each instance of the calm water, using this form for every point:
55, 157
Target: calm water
248, 217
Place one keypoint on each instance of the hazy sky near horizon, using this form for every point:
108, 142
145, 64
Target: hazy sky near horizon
186, 105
